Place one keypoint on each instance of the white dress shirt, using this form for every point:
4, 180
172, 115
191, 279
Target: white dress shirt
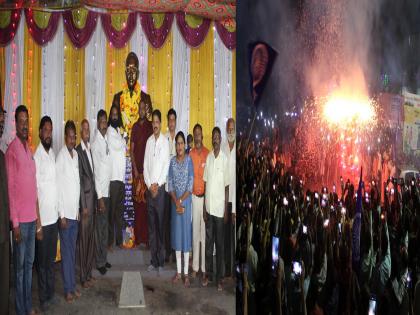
88, 153
3, 145
101, 159
46, 183
68, 184
117, 149
172, 144
216, 176
156, 160
172, 151
231, 155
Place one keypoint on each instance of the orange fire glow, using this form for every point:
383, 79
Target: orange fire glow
343, 109
348, 104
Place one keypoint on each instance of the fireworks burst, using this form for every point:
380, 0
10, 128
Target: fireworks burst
335, 136
344, 111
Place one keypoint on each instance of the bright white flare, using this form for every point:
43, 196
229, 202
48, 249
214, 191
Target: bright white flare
344, 110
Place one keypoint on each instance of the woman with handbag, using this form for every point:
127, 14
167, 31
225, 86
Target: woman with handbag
180, 184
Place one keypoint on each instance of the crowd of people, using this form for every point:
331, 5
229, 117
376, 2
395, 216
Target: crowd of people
334, 250
184, 198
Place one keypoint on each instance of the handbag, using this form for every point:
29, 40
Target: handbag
140, 189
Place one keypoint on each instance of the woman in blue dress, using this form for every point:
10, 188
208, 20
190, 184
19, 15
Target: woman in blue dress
180, 184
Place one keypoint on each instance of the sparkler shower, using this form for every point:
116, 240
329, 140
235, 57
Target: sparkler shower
341, 118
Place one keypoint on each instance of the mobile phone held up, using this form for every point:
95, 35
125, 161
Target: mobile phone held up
297, 268
372, 305
275, 254
408, 280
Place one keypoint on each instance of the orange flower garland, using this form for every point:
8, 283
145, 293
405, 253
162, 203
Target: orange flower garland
130, 107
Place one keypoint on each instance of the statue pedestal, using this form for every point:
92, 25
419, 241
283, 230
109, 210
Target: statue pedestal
128, 215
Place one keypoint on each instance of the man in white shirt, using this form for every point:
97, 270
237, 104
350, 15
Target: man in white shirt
170, 135
229, 148
86, 240
117, 149
216, 178
101, 160
156, 166
46, 182
68, 186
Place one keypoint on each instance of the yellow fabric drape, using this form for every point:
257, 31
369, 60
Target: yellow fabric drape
2, 74
159, 78
202, 88
79, 17
74, 83
234, 84
32, 85
158, 19
5, 18
193, 21
115, 72
41, 18
119, 20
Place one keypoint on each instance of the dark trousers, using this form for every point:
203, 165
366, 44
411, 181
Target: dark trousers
46, 251
140, 223
68, 238
116, 196
229, 244
86, 245
167, 225
101, 229
4, 277
155, 214
214, 234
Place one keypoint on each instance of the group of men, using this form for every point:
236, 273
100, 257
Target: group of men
46, 197
79, 196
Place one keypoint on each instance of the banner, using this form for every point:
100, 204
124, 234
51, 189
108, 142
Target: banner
411, 133
393, 115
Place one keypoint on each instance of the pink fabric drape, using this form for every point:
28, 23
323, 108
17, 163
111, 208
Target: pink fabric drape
193, 36
228, 38
119, 39
8, 33
79, 36
42, 35
156, 36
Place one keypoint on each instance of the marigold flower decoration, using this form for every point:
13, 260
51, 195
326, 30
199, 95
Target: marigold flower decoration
129, 105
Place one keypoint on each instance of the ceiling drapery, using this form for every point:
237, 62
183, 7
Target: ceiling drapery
80, 24
211, 9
